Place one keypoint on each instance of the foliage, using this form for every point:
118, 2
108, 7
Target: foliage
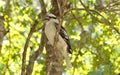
95, 43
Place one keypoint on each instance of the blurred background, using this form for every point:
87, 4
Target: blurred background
93, 27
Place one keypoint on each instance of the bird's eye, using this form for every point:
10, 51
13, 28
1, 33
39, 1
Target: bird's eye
52, 17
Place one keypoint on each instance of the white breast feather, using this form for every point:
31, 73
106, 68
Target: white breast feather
50, 31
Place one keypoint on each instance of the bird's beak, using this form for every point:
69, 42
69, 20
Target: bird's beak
46, 18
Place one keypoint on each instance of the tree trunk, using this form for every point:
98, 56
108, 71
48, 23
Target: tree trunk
53, 56
53, 61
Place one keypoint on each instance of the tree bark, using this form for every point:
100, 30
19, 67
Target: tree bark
53, 61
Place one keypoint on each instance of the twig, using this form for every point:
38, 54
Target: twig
98, 13
79, 22
107, 21
111, 4
60, 22
85, 8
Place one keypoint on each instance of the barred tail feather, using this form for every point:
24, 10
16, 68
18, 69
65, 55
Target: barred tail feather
67, 59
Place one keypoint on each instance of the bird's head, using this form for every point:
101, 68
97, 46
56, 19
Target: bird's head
50, 17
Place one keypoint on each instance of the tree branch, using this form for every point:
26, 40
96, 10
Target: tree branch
60, 21
2, 28
107, 21
35, 54
26, 46
43, 7
79, 22
33, 29
2, 31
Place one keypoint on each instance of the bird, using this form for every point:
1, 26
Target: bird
63, 44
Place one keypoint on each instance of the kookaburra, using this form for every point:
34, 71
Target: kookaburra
63, 43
